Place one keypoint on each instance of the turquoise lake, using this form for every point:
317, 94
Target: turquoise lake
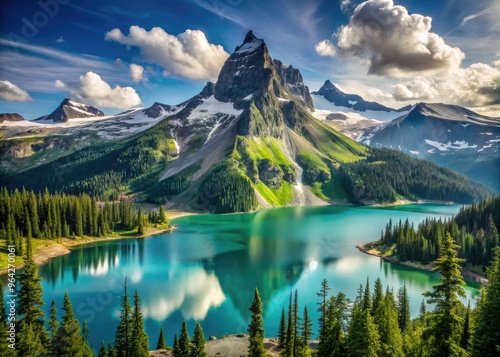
207, 269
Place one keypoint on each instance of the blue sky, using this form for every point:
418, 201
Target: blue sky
395, 52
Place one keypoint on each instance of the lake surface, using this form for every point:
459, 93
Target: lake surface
207, 269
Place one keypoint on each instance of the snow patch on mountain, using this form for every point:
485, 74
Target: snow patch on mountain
457, 145
321, 103
210, 107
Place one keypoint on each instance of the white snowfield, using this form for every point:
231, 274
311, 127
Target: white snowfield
250, 46
322, 106
210, 107
457, 145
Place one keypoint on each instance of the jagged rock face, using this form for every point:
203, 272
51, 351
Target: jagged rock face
271, 175
246, 71
69, 109
341, 99
291, 78
10, 117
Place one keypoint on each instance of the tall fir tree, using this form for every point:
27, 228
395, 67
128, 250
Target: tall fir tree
176, 347
139, 343
386, 319
70, 342
256, 328
323, 295
198, 343
486, 336
282, 330
404, 316
305, 333
444, 322
363, 338
123, 335
103, 352
184, 342
290, 334
161, 345
53, 326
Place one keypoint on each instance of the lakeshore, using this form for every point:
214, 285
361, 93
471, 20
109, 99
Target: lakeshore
372, 249
45, 250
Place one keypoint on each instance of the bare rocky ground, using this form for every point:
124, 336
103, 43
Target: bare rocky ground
228, 346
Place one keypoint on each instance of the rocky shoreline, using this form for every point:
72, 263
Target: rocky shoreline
368, 248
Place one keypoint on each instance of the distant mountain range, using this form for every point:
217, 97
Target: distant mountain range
249, 140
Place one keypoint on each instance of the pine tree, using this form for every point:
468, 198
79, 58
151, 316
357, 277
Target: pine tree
290, 334
282, 330
184, 342
103, 352
176, 347
161, 345
123, 335
162, 217
404, 316
378, 295
139, 346
70, 343
306, 332
466, 330
486, 337
256, 328
53, 325
112, 351
29, 305
140, 226
198, 343
444, 323
323, 294
363, 338
386, 319
296, 322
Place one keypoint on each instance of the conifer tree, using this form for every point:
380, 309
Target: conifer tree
306, 332
53, 325
296, 322
70, 342
282, 330
444, 323
139, 346
176, 347
486, 336
161, 345
363, 338
112, 351
290, 334
162, 217
323, 294
386, 319
184, 342
198, 343
140, 226
404, 316
103, 352
378, 295
256, 328
123, 335
466, 330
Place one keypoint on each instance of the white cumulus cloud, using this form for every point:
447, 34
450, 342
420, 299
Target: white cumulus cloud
395, 42
12, 93
92, 89
476, 85
136, 72
188, 54
325, 48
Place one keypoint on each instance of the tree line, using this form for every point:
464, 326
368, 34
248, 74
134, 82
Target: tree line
25, 215
475, 227
387, 175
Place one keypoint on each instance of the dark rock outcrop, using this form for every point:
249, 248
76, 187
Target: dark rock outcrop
10, 117
70, 109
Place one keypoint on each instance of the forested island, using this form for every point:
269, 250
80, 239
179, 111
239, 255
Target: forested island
475, 229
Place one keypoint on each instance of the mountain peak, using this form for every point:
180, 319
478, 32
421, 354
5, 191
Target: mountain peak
250, 44
69, 109
250, 37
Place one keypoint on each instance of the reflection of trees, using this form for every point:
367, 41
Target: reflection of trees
94, 260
